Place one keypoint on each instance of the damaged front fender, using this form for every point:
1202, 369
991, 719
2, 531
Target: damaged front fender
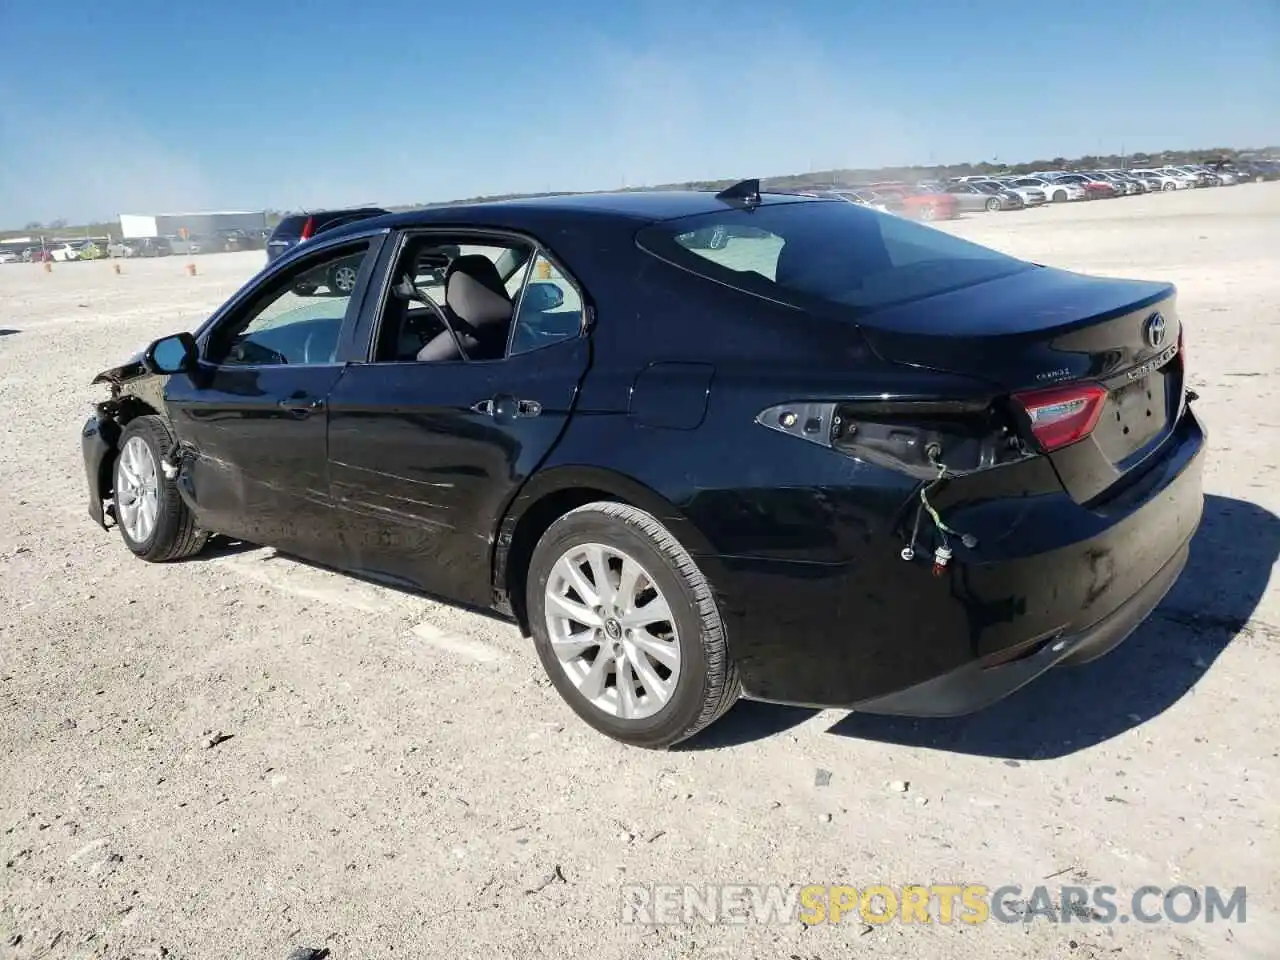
99, 439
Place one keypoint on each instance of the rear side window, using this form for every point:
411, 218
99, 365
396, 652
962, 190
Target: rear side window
290, 226
826, 251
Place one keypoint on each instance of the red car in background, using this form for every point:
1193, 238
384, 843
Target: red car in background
917, 203
1096, 189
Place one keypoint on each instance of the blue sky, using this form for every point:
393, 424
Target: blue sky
163, 105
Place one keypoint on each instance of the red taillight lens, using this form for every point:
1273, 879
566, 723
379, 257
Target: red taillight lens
308, 228
1062, 415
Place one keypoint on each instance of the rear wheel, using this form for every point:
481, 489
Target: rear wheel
927, 212
627, 627
993, 205
154, 521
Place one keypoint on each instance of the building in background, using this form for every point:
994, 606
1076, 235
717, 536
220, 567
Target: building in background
206, 230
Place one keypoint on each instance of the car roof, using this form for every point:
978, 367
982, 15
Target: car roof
635, 207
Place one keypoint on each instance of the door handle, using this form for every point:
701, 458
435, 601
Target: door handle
504, 407
302, 406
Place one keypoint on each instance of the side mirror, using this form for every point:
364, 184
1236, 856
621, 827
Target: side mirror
543, 296
175, 354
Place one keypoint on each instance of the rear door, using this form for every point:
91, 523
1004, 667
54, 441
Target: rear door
425, 456
251, 420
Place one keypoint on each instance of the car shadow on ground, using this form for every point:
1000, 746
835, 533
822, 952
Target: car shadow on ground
6, 332
1073, 708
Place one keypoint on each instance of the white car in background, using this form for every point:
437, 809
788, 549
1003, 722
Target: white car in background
1163, 181
64, 252
8, 256
1182, 176
1055, 191
1031, 196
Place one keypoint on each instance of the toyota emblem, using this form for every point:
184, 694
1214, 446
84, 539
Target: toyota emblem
1155, 330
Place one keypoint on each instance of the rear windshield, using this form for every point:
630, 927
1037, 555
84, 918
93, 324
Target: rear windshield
826, 251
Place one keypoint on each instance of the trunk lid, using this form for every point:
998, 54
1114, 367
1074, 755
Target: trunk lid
1047, 328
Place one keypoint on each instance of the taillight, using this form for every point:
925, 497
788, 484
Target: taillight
1060, 416
308, 228
913, 437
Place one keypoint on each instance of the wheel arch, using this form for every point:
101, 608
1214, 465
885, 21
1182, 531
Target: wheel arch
549, 495
120, 412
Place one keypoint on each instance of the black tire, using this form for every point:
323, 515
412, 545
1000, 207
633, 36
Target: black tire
1059, 196
708, 683
1169, 186
175, 534
993, 205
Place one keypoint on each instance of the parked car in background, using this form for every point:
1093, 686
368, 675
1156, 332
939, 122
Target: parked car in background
10, 256
1186, 180
1055, 191
300, 227
140, 247
865, 198
971, 196
64, 252
689, 474
917, 204
1094, 188
1031, 196
1125, 186
1162, 180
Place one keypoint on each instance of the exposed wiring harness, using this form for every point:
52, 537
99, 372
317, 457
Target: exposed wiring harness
942, 554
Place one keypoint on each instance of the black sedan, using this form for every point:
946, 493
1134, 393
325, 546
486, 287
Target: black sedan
838, 459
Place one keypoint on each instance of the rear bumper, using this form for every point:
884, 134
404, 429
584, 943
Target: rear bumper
98, 438
977, 685
879, 634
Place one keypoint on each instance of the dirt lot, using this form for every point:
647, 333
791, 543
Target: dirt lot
401, 781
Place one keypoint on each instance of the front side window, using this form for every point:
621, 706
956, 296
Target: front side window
451, 301
833, 253
298, 317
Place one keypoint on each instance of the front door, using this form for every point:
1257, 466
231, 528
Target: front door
424, 455
251, 420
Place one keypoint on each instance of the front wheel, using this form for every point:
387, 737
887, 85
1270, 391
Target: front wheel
154, 522
627, 627
1170, 186
993, 205
1059, 196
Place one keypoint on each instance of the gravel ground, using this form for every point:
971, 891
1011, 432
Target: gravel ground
399, 779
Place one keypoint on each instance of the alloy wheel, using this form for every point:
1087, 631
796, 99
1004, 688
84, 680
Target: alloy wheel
612, 631
137, 493
344, 278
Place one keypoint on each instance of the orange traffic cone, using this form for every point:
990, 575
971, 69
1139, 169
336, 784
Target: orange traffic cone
191, 269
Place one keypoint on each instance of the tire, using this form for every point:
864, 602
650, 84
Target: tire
705, 683
927, 213
1169, 186
1059, 196
305, 288
173, 533
993, 205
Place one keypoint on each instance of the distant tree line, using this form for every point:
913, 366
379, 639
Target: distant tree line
794, 181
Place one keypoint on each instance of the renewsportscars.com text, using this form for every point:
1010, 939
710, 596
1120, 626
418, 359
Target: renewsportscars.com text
944, 903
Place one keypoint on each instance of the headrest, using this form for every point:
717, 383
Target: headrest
473, 290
